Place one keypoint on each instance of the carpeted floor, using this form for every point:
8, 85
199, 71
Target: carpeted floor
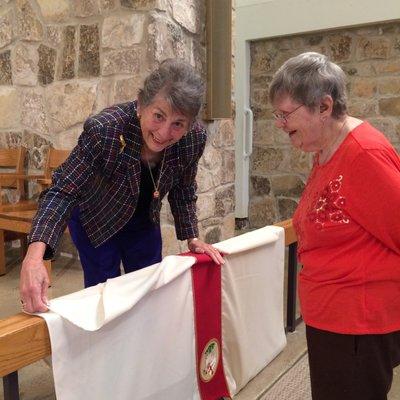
294, 385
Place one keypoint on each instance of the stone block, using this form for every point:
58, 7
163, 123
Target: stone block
286, 207
299, 161
47, 64
266, 134
260, 81
213, 235
205, 179
28, 25
167, 40
259, 186
6, 28
372, 48
387, 127
68, 54
10, 139
122, 62
9, 107
361, 108
224, 133
85, 8
104, 95
390, 106
262, 212
186, 13
34, 116
224, 200
54, 11
387, 67
205, 206
69, 103
264, 161
107, 5
54, 35
259, 96
262, 58
387, 86
139, 4
122, 31
363, 87
314, 40
127, 89
37, 150
228, 226
340, 47
68, 139
25, 61
228, 166
89, 51
5, 68
361, 69
287, 185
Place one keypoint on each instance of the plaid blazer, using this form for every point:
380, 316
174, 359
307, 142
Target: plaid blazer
102, 176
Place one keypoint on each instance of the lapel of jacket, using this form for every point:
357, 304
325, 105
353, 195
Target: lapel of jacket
133, 139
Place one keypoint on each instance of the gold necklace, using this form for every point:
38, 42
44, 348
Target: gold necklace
156, 193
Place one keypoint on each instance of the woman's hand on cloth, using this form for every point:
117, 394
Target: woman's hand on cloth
198, 246
34, 280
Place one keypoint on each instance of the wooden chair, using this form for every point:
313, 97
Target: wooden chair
15, 180
19, 221
13, 159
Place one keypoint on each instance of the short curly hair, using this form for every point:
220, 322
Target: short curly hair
179, 84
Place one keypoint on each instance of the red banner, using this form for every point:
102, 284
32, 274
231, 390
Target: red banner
206, 277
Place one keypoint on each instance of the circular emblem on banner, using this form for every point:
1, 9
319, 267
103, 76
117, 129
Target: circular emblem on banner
209, 360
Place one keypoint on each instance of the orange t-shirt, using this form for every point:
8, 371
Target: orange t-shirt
348, 229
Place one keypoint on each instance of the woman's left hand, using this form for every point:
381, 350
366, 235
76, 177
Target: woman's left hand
198, 246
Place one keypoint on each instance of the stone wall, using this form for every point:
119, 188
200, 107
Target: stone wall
370, 56
62, 60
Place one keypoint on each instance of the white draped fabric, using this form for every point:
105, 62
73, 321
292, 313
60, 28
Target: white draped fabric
133, 337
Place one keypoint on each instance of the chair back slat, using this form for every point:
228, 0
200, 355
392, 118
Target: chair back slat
13, 159
55, 158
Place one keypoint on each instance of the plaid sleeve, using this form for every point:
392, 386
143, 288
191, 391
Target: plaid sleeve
57, 202
182, 197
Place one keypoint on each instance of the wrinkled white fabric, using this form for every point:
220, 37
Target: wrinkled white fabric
133, 337
252, 303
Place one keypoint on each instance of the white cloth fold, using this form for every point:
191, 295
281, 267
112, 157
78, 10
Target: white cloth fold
93, 307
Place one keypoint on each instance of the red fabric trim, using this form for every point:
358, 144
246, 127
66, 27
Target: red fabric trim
206, 278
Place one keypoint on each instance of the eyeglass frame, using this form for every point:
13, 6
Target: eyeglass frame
284, 117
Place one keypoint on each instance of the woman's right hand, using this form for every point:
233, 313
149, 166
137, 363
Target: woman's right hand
34, 279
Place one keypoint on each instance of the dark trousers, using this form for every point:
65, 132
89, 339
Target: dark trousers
138, 245
351, 367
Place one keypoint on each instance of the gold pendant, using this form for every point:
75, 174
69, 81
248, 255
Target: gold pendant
156, 194
123, 143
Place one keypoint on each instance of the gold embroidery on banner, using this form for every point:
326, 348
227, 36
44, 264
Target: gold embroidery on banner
329, 206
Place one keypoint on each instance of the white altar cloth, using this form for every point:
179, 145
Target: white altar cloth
133, 337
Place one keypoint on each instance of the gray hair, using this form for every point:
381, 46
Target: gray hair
307, 78
179, 84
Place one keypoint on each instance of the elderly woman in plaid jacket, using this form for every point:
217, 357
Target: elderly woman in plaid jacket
109, 190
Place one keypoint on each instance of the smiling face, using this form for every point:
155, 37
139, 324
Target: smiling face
161, 125
303, 126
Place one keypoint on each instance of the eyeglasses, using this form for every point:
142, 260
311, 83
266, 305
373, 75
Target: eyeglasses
284, 116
